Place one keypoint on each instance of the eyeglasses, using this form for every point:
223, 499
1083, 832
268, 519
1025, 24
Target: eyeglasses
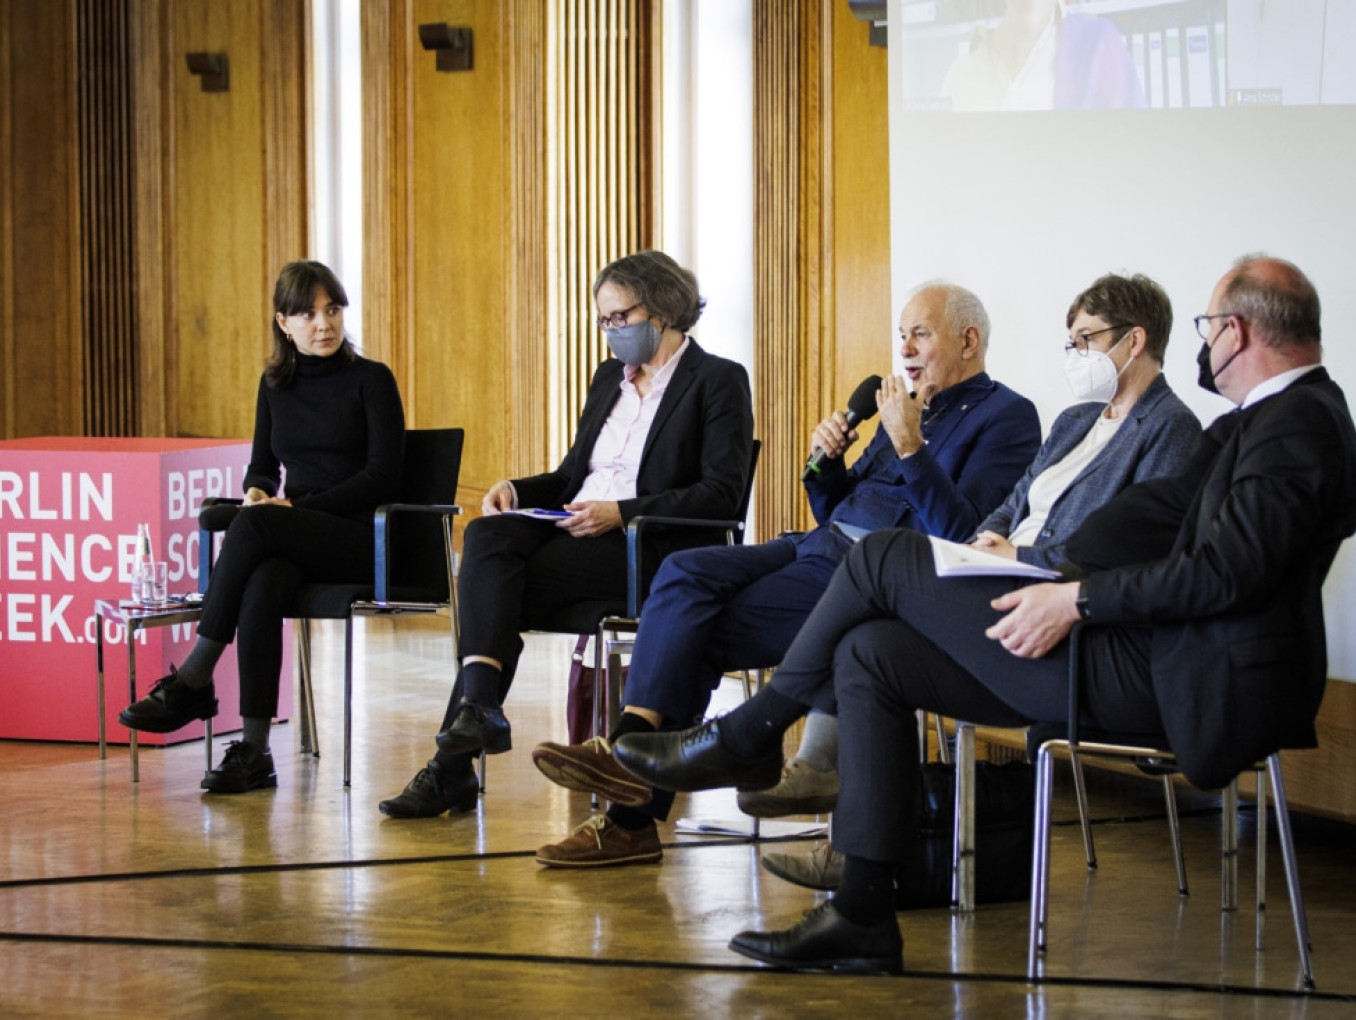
1203, 323
1080, 342
617, 318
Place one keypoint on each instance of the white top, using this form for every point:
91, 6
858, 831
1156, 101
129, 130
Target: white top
1050, 484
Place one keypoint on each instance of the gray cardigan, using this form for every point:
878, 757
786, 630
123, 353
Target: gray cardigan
1154, 440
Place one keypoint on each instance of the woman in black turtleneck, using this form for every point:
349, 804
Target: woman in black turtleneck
334, 421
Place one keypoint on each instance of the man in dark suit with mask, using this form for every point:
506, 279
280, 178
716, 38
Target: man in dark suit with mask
1209, 583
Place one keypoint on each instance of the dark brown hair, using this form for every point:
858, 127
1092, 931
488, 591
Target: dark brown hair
295, 291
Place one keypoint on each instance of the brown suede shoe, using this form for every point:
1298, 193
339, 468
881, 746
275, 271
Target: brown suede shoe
590, 768
821, 868
803, 790
600, 843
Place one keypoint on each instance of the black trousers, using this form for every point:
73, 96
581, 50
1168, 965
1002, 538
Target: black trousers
889, 637
517, 574
267, 554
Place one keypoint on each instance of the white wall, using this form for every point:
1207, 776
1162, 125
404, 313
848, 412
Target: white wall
336, 148
707, 163
1026, 209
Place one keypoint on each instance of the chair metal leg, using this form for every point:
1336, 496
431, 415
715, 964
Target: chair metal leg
943, 747
1260, 891
1040, 862
310, 739
963, 836
1291, 869
1175, 832
1228, 840
1084, 818
348, 701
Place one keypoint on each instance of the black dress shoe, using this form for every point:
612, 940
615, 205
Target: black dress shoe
826, 940
694, 759
244, 767
476, 728
431, 792
171, 705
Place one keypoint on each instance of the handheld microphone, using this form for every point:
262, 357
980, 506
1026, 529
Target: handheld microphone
861, 406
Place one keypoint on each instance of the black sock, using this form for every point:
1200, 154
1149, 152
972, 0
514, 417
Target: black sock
255, 731
454, 766
631, 723
629, 817
480, 683
196, 670
867, 893
755, 728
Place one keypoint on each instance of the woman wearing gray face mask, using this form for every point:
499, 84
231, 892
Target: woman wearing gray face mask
666, 430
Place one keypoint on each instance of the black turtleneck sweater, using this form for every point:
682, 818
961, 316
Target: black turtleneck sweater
338, 430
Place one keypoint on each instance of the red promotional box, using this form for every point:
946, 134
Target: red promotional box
69, 510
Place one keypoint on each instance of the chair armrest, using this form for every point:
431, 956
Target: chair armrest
633, 548
206, 529
381, 524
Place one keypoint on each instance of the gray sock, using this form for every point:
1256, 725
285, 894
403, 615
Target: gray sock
202, 659
819, 745
255, 731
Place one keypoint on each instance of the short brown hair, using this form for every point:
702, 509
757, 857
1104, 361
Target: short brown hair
1130, 301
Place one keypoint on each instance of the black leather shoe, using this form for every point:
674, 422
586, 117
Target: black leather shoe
694, 759
475, 728
431, 792
826, 940
244, 767
171, 705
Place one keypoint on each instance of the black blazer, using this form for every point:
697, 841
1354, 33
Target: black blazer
696, 457
1239, 653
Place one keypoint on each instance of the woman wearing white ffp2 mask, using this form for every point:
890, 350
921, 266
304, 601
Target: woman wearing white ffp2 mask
1092, 374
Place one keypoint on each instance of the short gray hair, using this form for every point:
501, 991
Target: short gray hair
665, 288
963, 309
1276, 298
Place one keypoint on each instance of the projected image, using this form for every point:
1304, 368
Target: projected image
1110, 54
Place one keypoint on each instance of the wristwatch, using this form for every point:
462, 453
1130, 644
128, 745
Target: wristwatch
1081, 603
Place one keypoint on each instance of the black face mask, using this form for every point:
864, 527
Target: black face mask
1207, 376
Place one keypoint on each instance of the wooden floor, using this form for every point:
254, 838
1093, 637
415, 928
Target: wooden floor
156, 899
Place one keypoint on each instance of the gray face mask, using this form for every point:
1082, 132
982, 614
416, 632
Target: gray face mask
634, 343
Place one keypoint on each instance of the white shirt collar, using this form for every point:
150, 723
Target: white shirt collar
1275, 384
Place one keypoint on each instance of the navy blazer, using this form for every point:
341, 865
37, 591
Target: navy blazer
980, 435
696, 457
1239, 653
1154, 440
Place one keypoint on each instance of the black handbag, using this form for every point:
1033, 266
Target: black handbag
1004, 800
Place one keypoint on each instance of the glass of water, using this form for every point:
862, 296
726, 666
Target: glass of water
157, 590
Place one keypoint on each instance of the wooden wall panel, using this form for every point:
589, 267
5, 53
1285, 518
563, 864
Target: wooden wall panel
41, 375
236, 201
601, 205
105, 169
857, 298
821, 233
790, 338
436, 223
492, 197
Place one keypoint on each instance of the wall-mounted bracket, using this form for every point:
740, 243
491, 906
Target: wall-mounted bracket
452, 44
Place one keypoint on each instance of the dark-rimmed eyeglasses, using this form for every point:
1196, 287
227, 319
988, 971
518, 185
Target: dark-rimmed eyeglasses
1203, 323
617, 318
1080, 342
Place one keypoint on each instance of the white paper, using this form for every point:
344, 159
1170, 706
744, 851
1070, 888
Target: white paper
955, 560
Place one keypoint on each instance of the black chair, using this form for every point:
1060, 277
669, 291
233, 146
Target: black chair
413, 572
1150, 754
